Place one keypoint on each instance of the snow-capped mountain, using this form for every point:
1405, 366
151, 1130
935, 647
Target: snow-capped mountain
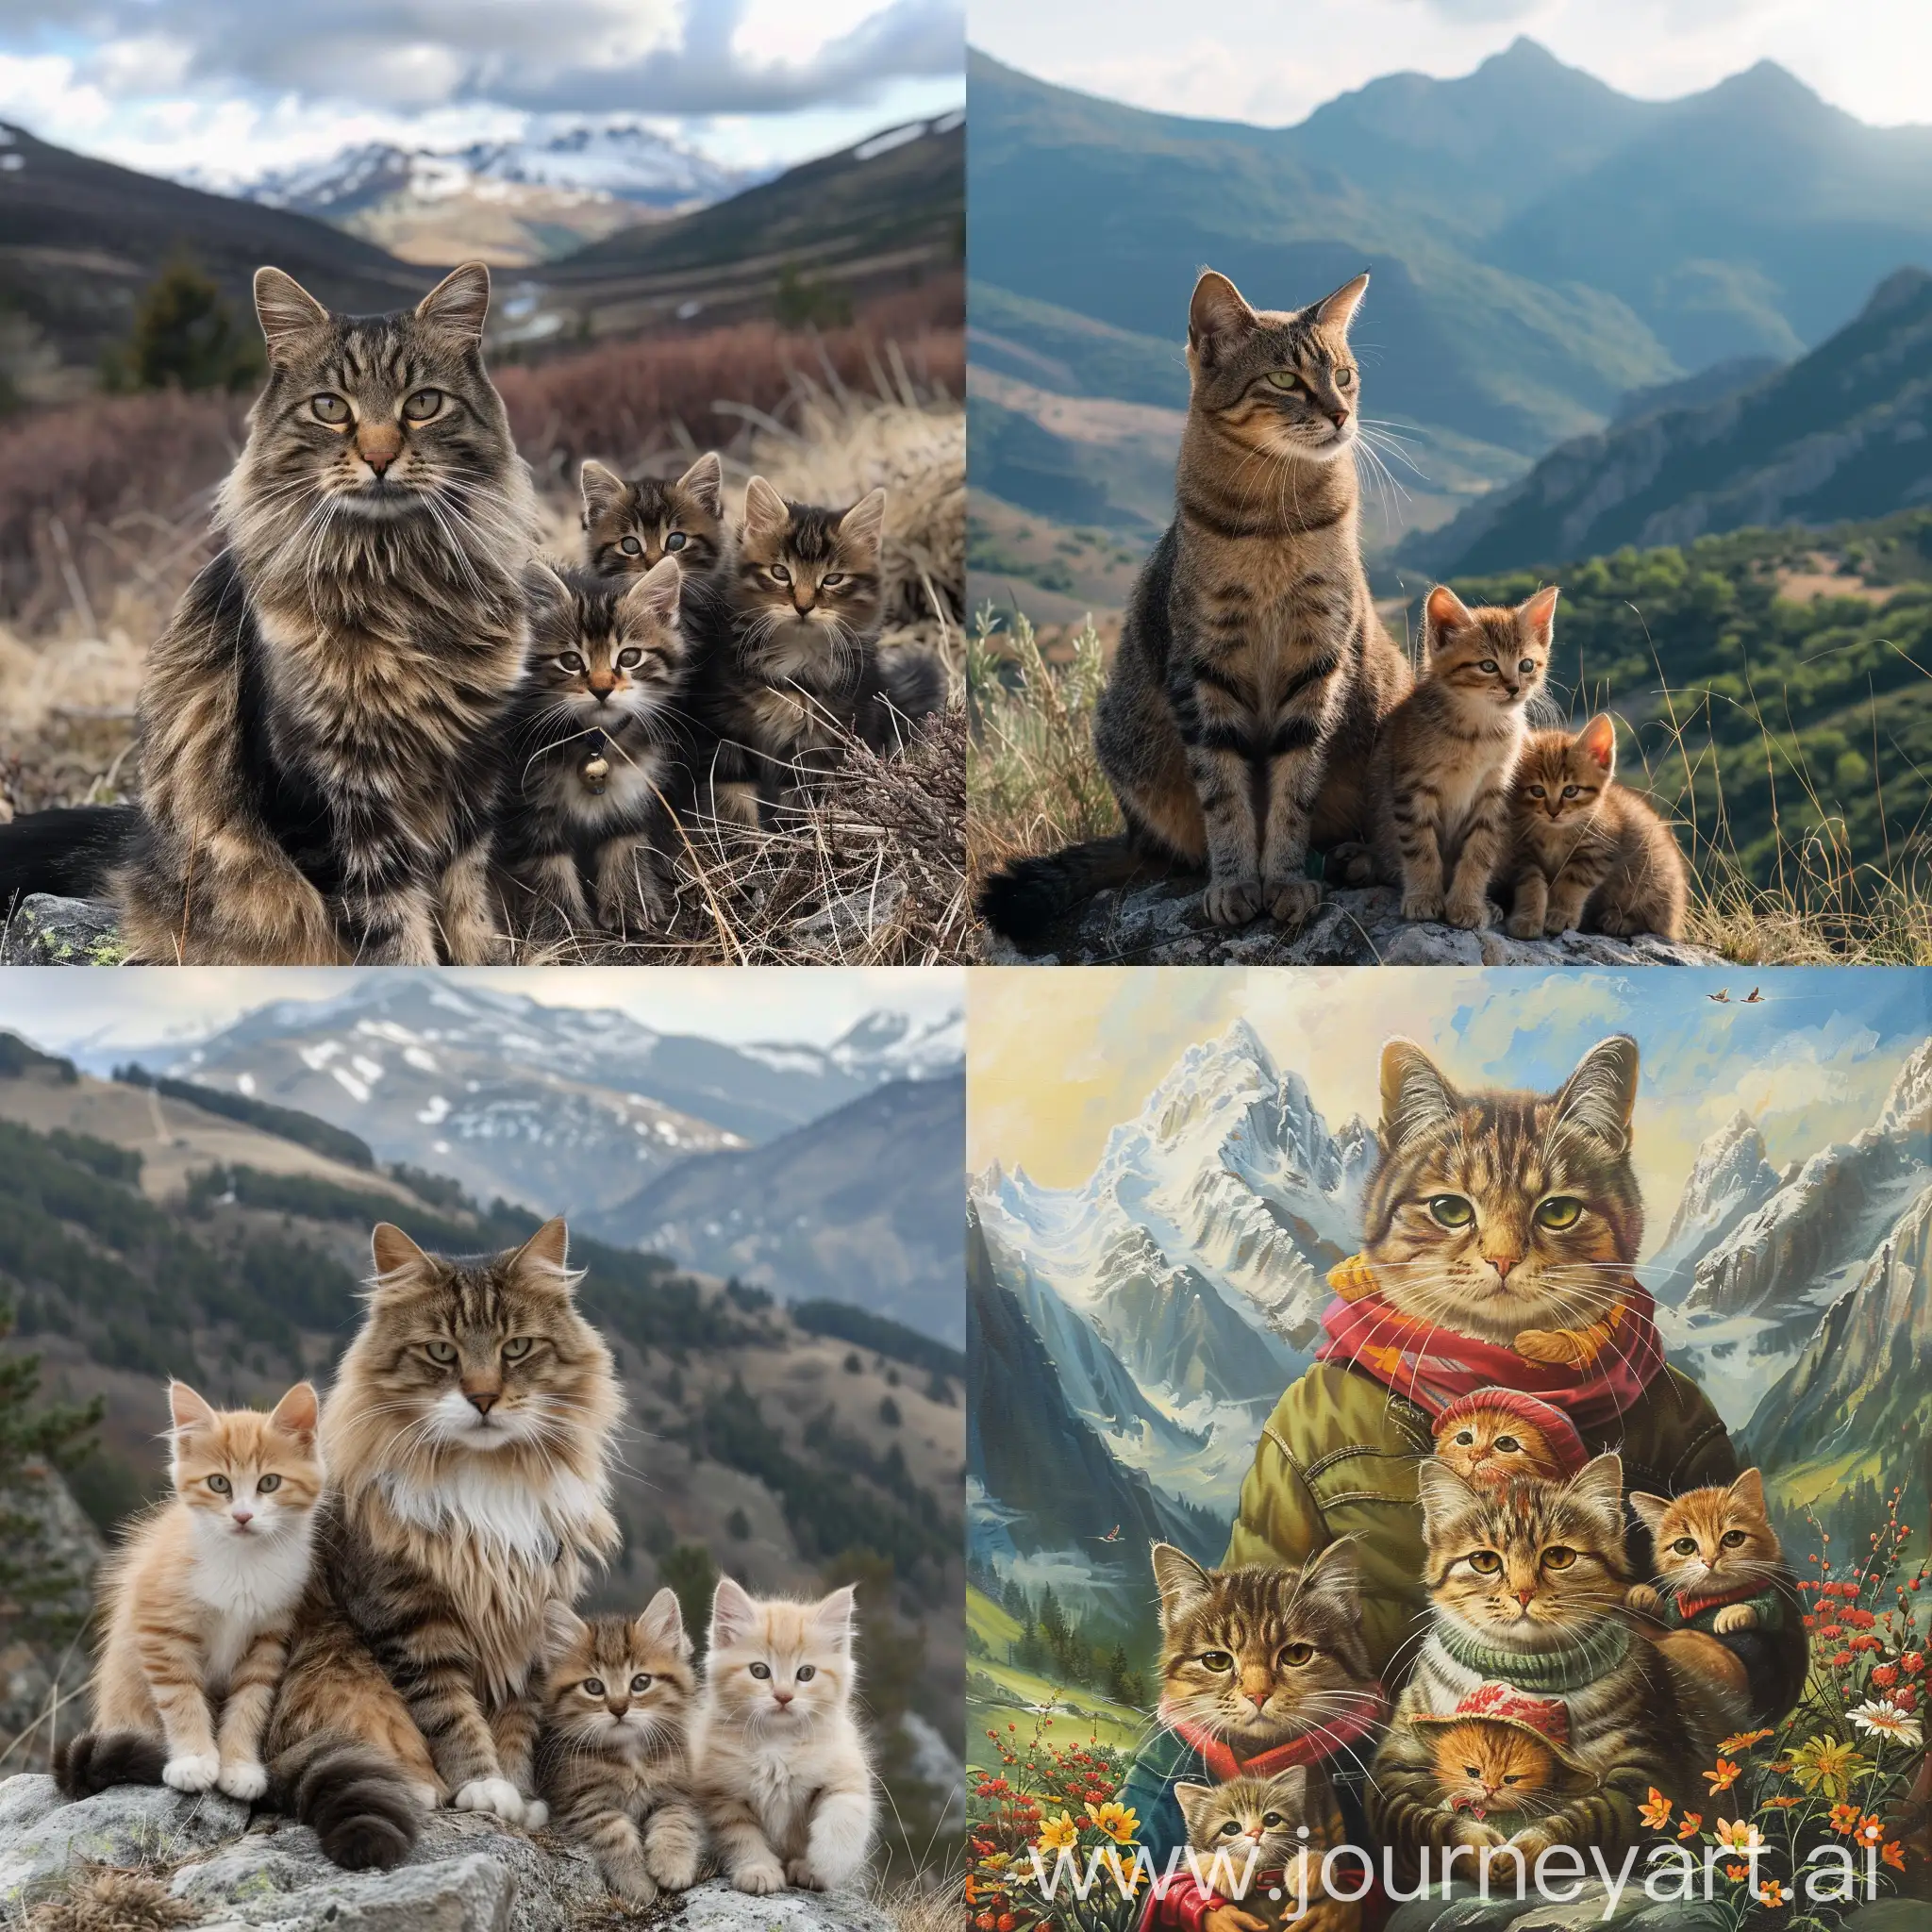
1731, 1177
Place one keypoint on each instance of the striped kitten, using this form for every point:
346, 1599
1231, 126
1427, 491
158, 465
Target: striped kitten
198, 1605
317, 721
586, 838
1583, 850
1438, 779
1256, 1825
610, 1756
631, 527
1526, 1585
1252, 670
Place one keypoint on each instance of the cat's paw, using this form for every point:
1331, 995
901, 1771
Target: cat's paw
242, 1780
1520, 926
1643, 1600
1291, 902
1467, 910
1232, 902
633, 1887
758, 1875
1473, 1831
1617, 925
1559, 920
536, 1814
674, 1870
798, 1872
1734, 1617
495, 1795
191, 1772
1532, 1842
1554, 1345
1422, 906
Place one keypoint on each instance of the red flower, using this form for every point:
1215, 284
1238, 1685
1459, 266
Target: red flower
1833, 1631
1905, 1698
1841, 1659
1885, 1676
1912, 1662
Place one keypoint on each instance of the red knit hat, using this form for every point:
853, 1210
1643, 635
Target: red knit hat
1549, 1421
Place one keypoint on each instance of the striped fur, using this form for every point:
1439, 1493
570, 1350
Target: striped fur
631, 527
1283, 1824
317, 720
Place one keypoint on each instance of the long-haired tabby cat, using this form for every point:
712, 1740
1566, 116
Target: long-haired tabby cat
1439, 778
1252, 670
467, 1435
631, 527
1724, 1605
1583, 850
611, 1757
316, 721
782, 1770
1271, 1834
586, 838
198, 1603
1526, 1590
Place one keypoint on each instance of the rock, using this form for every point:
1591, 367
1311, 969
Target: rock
468, 1873
46, 931
851, 916
40, 1671
1162, 924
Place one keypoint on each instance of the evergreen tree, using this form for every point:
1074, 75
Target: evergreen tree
185, 336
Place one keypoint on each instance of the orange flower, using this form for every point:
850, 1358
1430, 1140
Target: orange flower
1743, 1742
1736, 1874
1782, 1803
1724, 1777
1893, 1854
1771, 1894
1687, 1824
1870, 1832
1656, 1812
1844, 1819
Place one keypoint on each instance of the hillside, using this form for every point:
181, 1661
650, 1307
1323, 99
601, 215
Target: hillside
1839, 433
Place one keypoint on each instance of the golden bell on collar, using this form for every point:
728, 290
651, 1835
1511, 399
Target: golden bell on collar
595, 771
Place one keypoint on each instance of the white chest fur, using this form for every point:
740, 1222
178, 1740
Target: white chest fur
245, 1585
497, 1508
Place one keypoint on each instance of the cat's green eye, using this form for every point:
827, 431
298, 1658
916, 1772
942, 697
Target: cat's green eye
571, 661
676, 541
444, 1352
631, 547
1216, 1661
1344, 379
1735, 1539
780, 575
805, 1673
1488, 664
641, 1682
629, 660
760, 1672
1560, 1211
517, 1347
1558, 1557
218, 1484
1451, 1210
1296, 1654
329, 408
422, 405
1685, 1546
594, 1687
1485, 1563
1284, 378
267, 1486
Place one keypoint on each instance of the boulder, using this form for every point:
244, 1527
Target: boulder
1162, 924
42, 930
468, 1874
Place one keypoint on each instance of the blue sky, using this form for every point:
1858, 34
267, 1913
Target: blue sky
225, 89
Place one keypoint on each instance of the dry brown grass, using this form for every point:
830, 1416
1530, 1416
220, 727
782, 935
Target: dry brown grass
100, 1899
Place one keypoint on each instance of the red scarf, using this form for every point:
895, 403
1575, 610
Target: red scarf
1431, 1365
1366, 1709
1688, 1607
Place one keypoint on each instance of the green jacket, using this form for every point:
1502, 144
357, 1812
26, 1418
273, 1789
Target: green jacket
1338, 1458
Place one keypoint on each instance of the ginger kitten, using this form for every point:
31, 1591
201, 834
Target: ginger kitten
782, 1771
1583, 848
198, 1605
611, 1762
1440, 775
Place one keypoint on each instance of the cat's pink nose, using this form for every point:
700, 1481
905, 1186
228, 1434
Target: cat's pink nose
784, 1697
1340, 414
1502, 1263
244, 1517
1526, 1597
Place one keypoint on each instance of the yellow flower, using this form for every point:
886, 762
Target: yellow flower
1656, 1812
1743, 1742
1724, 1777
1827, 1765
1116, 1820
1737, 1834
1058, 1834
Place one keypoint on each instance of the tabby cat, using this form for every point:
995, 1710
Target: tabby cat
1583, 850
1440, 776
631, 527
1727, 1605
197, 1606
586, 838
1272, 1833
782, 1769
1252, 670
316, 721
466, 1437
611, 1763
1527, 1585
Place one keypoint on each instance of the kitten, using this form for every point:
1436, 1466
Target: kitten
197, 1605
1497, 1433
1499, 1774
1252, 670
781, 1766
467, 1437
1272, 1833
1584, 850
1527, 1585
586, 838
610, 1756
631, 527
319, 720
1726, 1599
1440, 775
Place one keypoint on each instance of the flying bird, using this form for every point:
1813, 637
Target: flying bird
1113, 1535
1754, 998
1722, 996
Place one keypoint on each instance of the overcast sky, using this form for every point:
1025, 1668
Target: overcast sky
1265, 61
57, 1010
227, 89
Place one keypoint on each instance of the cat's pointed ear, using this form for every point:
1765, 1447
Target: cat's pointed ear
297, 1412
543, 587
1536, 616
602, 489
187, 1409
1749, 1491
656, 593
1190, 1798
285, 309
1180, 1580
1290, 1787
396, 1256
764, 509
1334, 1575
1599, 742
1414, 1094
544, 1260
832, 1616
734, 1615
1599, 1485
563, 1629
864, 524
1441, 1491
705, 480
459, 303
662, 1623
1218, 318
1650, 1510
1443, 614
1601, 1095
1336, 312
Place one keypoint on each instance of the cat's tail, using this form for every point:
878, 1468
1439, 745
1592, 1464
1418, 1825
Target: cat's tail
1026, 900
361, 1804
68, 851
96, 1761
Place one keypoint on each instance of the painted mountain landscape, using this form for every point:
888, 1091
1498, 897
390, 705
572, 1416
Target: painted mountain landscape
1130, 1332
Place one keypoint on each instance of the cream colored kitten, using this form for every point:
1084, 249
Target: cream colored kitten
779, 1758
